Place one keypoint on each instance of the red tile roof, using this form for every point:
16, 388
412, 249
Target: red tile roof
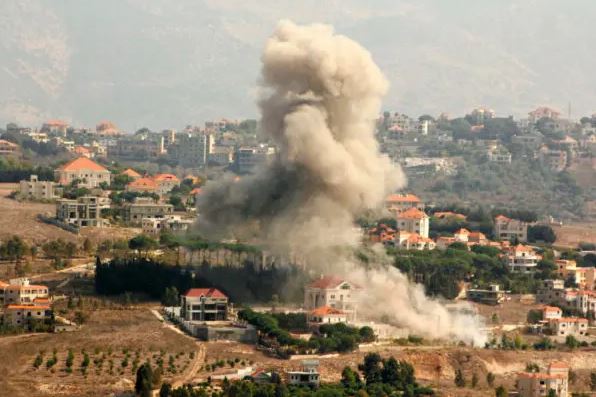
83, 163
502, 218
208, 292
131, 173
145, 183
326, 311
327, 282
412, 213
402, 198
165, 177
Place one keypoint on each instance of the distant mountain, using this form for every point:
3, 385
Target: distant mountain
163, 63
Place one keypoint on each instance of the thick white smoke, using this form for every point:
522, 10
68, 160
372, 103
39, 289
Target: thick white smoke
322, 95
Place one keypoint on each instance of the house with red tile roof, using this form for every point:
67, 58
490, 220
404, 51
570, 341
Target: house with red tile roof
89, 173
413, 220
510, 229
407, 240
8, 148
204, 304
398, 202
131, 173
534, 384
327, 315
84, 151
142, 185
333, 291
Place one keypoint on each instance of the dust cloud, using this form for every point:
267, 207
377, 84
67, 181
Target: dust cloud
321, 95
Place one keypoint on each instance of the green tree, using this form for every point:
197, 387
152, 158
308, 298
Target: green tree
593, 381
474, 380
144, 381
552, 393
459, 380
501, 392
142, 243
371, 368
571, 342
87, 246
490, 379
350, 379
165, 390
170, 297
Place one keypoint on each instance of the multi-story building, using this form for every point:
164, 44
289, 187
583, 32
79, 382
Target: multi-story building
407, 240
85, 171
327, 315
167, 223
133, 213
34, 189
510, 229
551, 313
481, 114
413, 221
308, 375
55, 127
24, 315
8, 148
522, 259
334, 292
138, 147
165, 183
499, 155
565, 326
554, 159
84, 211
248, 158
397, 203
540, 384
542, 112
492, 296
20, 291
192, 149
204, 304
553, 292
221, 155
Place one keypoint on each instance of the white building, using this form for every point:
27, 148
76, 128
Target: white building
308, 375
334, 292
204, 304
407, 240
551, 313
413, 221
87, 172
522, 259
34, 189
167, 223
327, 315
20, 291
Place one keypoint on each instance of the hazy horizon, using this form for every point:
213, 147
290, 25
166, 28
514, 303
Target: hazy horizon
164, 64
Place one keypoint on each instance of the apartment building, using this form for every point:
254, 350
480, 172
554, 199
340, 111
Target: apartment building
543, 112
248, 158
192, 149
554, 159
334, 292
84, 211
87, 172
204, 304
34, 189
510, 229
138, 147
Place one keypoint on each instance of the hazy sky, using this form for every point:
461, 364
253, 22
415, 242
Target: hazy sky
164, 63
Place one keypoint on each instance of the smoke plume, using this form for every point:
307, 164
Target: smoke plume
321, 96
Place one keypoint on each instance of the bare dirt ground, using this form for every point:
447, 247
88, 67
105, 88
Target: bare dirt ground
570, 235
20, 218
119, 336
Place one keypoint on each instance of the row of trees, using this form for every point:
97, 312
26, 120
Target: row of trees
330, 338
375, 377
441, 272
245, 283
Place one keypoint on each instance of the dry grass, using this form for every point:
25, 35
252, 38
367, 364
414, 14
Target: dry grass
118, 331
570, 235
